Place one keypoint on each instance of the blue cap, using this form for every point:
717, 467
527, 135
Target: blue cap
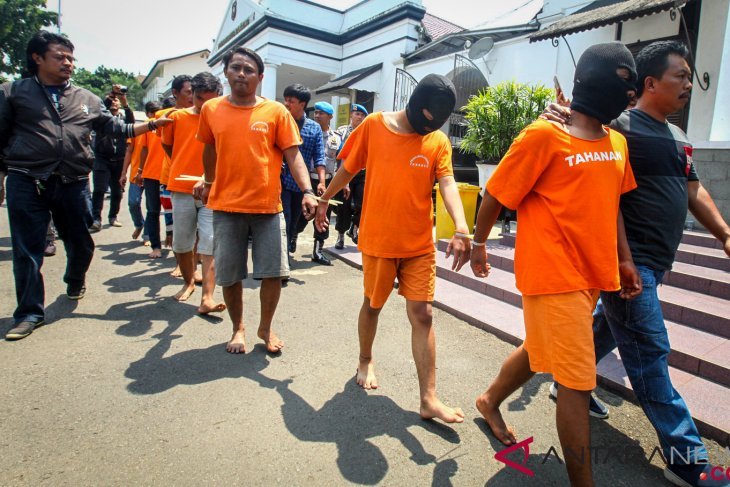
325, 107
358, 108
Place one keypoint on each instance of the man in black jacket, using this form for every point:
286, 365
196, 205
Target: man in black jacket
109, 151
45, 139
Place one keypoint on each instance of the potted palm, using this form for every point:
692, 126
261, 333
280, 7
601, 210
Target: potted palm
495, 116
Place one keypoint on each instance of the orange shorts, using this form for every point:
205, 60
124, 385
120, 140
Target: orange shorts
559, 337
416, 277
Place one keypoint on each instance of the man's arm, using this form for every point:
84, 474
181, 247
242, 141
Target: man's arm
340, 180
486, 218
210, 159
299, 172
460, 245
320, 165
631, 285
137, 178
127, 162
704, 209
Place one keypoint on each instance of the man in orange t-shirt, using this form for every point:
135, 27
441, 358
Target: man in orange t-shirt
134, 199
404, 153
565, 183
245, 139
190, 217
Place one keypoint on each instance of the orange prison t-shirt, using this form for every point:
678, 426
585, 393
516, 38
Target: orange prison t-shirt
165, 171
249, 142
153, 163
136, 143
187, 151
397, 211
566, 192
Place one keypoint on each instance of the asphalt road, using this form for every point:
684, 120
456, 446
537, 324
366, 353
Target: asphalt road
129, 387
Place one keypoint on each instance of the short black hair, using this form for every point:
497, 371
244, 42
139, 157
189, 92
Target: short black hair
178, 82
299, 92
38, 44
168, 102
245, 51
653, 60
151, 107
206, 83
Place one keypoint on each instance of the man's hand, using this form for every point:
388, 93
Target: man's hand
460, 247
309, 206
631, 285
556, 113
726, 247
163, 121
479, 265
138, 179
198, 190
320, 221
123, 180
2, 187
321, 187
346, 192
204, 193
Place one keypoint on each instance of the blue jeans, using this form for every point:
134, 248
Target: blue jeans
31, 204
134, 198
152, 199
637, 328
291, 201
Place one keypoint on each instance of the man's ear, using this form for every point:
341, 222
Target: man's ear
650, 84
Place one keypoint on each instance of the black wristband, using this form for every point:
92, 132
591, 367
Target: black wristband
309, 191
151, 125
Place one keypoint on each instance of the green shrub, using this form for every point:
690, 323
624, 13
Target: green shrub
497, 114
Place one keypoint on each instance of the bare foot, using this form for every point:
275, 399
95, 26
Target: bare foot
146, 243
136, 233
273, 344
176, 272
198, 277
211, 307
494, 419
155, 254
434, 409
168, 240
366, 374
185, 292
237, 343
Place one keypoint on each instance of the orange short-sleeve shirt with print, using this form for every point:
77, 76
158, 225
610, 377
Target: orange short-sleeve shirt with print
165, 170
566, 192
153, 163
397, 211
249, 143
187, 151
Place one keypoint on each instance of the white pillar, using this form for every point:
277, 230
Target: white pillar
268, 85
721, 119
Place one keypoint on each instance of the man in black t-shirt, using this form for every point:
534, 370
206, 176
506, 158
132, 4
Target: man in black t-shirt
654, 216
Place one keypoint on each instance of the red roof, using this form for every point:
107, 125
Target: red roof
437, 27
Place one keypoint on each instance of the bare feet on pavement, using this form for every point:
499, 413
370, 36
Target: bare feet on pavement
237, 343
185, 292
155, 254
435, 409
494, 419
366, 374
210, 307
176, 272
272, 342
198, 277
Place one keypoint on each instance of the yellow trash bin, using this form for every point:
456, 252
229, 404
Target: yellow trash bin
444, 224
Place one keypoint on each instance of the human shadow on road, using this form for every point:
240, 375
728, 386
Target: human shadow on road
349, 420
353, 417
528, 392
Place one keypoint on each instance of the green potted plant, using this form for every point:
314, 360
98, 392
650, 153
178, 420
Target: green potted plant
495, 116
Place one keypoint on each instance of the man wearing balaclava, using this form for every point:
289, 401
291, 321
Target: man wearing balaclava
404, 154
565, 183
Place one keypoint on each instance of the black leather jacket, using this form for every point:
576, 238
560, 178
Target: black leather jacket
38, 139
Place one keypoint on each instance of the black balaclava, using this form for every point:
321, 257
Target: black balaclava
436, 94
598, 91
